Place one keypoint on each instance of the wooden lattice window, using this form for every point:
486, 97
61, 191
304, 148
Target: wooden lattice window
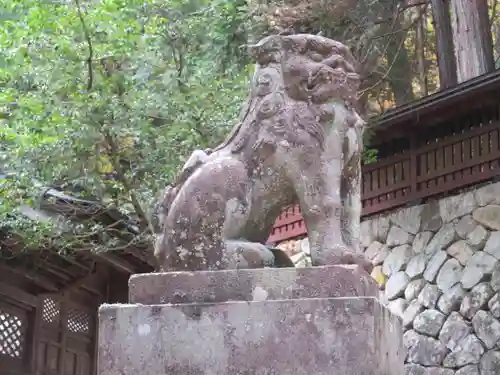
12, 335
51, 311
78, 321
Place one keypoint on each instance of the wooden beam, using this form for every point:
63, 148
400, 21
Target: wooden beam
118, 263
103, 272
98, 284
147, 256
40, 280
77, 263
64, 334
51, 268
17, 294
34, 334
93, 281
433, 103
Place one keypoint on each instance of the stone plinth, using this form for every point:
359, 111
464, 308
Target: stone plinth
321, 320
249, 285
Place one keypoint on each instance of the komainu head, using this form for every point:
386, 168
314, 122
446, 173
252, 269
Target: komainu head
314, 68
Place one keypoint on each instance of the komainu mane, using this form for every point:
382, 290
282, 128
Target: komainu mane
298, 140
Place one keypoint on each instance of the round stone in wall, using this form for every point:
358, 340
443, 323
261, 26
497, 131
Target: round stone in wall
376, 253
454, 330
492, 246
461, 251
429, 322
398, 237
468, 370
396, 285
478, 237
397, 307
397, 259
480, 265
465, 225
414, 288
490, 363
487, 328
476, 300
421, 240
426, 351
449, 274
489, 216
429, 296
494, 305
441, 240
467, 352
411, 312
434, 265
451, 299
416, 266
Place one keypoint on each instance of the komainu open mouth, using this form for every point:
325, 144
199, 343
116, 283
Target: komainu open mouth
318, 77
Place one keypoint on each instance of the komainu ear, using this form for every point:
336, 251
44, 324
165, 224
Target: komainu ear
296, 43
267, 50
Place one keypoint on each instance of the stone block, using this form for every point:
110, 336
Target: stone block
250, 285
334, 336
315, 321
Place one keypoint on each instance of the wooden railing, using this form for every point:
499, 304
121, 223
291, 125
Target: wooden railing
433, 165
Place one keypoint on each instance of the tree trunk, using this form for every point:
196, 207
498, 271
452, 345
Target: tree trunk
496, 47
495, 30
399, 74
420, 49
444, 43
472, 38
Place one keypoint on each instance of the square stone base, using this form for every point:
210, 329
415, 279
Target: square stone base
295, 327
251, 285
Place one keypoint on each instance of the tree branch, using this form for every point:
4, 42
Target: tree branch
493, 12
90, 81
421, 13
115, 160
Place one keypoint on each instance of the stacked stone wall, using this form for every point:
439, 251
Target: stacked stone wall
439, 267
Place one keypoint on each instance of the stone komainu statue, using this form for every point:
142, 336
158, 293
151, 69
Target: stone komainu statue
298, 140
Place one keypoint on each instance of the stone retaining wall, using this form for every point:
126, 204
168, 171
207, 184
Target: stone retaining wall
439, 267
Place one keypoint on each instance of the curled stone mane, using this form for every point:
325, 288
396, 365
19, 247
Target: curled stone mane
267, 80
279, 88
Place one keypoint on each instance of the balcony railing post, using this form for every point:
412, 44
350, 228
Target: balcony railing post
413, 165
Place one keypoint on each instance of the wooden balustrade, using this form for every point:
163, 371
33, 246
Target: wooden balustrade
434, 164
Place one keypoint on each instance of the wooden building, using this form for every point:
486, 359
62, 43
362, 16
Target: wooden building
428, 148
49, 300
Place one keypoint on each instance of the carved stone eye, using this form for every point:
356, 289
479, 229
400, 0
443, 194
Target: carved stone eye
294, 43
314, 56
280, 125
270, 106
263, 84
327, 113
264, 79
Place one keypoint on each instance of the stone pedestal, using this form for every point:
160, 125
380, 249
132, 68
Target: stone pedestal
308, 321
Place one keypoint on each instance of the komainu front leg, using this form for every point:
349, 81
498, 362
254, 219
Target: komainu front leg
322, 209
350, 190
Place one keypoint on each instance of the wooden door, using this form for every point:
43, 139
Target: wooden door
67, 338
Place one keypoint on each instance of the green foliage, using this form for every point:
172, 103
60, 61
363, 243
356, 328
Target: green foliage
108, 97
370, 155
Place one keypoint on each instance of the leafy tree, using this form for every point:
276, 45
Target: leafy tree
104, 100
